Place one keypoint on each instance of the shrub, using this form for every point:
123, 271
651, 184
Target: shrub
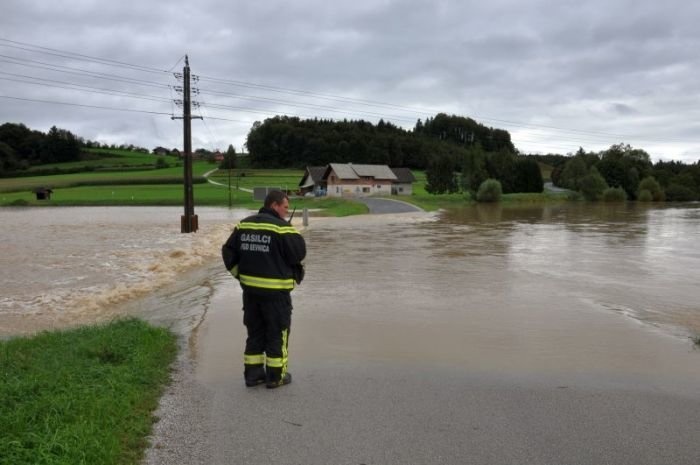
650, 184
592, 185
614, 194
678, 193
489, 191
645, 196
573, 196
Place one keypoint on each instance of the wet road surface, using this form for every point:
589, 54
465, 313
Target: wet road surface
384, 206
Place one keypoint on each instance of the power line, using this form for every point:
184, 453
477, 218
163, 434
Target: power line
86, 106
79, 71
80, 56
307, 106
81, 88
331, 97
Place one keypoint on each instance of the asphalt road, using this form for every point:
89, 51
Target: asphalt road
350, 410
381, 206
549, 186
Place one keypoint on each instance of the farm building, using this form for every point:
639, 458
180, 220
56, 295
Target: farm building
358, 180
404, 181
350, 180
313, 182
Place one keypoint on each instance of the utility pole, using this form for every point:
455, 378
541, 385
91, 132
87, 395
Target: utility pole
229, 183
188, 221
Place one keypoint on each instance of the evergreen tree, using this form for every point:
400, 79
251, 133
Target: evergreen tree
501, 166
473, 169
230, 159
440, 176
528, 177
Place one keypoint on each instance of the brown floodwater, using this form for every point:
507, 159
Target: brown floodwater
558, 284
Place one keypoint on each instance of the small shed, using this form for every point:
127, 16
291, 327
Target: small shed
43, 193
404, 181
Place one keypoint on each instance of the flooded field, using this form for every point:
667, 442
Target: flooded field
493, 271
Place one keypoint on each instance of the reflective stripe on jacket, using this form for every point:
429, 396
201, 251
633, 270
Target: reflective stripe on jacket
264, 253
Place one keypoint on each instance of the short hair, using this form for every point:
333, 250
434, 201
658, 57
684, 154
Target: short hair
274, 197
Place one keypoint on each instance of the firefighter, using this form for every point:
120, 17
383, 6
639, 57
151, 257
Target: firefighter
264, 253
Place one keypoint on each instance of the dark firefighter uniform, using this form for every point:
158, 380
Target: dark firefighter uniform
264, 253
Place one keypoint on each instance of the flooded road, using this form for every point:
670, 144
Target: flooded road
495, 271
486, 335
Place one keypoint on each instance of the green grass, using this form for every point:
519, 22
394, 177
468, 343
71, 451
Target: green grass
329, 206
83, 396
69, 180
430, 202
163, 187
534, 197
108, 158
248, 179
156, 194
173, 194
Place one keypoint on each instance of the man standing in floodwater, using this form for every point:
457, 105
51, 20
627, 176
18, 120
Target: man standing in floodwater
264, 253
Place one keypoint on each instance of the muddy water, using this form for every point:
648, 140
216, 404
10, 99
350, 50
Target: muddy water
66, 266
575, 288
498, 275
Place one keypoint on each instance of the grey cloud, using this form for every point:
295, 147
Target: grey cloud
622, 109
550, 62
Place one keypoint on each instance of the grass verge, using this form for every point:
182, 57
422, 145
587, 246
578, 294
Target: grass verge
82, 396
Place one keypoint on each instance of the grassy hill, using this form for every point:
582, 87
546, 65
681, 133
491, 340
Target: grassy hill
121, 177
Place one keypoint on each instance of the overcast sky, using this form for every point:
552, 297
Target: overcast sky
556, 74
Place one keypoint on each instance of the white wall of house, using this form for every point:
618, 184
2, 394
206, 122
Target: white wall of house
358, 190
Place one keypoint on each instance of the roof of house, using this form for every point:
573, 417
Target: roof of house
351, 171
312, 175
342, 170
404, 175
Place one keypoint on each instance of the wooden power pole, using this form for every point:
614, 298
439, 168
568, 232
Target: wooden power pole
188, 221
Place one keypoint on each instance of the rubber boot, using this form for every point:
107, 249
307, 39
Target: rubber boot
275, 378
254, 375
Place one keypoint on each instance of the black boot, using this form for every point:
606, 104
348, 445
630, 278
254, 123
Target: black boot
275, 378
254, 375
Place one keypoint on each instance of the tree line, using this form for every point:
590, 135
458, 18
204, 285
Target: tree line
442, 145
624, 172
21, 147
457, 153
283, 141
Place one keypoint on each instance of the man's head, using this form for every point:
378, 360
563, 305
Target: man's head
279, 202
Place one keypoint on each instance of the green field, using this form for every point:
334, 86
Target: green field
139, 185
96, 159
164, 192
118, 177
